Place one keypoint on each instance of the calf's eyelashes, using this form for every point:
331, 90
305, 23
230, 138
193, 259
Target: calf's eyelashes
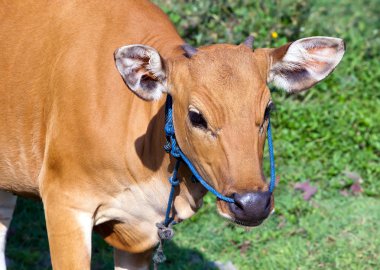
197, 119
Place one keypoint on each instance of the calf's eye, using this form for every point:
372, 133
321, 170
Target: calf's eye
268, 109
196, 119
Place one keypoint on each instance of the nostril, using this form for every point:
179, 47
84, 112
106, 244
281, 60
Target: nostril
237, 201
269, 201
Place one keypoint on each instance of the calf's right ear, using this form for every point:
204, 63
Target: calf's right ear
299, 65
142, 69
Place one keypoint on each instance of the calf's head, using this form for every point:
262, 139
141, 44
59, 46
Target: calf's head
221, 106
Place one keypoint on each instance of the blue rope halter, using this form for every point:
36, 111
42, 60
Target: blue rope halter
164, 229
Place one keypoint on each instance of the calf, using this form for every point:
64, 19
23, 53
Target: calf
89, 144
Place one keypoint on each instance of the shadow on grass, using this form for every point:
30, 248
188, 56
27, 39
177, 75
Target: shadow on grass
184, 259
28, 248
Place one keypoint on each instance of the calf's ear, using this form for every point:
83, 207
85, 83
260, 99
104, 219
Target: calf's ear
299, 65
142, 69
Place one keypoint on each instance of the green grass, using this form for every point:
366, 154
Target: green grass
318, 136
337, 233
332, 234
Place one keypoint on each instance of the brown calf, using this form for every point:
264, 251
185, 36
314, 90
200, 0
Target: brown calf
72, 134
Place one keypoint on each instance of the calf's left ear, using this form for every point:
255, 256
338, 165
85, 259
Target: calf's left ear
142, 69
299, 65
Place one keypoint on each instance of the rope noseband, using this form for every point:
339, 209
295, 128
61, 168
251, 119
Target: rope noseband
165, 230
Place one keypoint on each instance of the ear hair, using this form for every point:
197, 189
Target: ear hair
299, 65
142, 69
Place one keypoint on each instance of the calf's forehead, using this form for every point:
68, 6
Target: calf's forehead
227, 74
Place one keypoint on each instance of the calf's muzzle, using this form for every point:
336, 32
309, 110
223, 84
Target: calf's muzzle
251, 208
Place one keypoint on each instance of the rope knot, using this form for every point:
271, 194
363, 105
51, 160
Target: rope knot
169, 126
175, 151
165, 233
167, 146
174, 181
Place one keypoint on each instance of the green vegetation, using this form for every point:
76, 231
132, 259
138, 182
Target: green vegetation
318, 135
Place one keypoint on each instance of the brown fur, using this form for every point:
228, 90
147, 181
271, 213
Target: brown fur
72, 133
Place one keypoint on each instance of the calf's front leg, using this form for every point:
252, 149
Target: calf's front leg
69, 230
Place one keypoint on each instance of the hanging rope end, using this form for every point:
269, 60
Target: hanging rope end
159, 256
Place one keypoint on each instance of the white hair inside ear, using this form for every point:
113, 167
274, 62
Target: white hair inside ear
305, 62
142, 70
